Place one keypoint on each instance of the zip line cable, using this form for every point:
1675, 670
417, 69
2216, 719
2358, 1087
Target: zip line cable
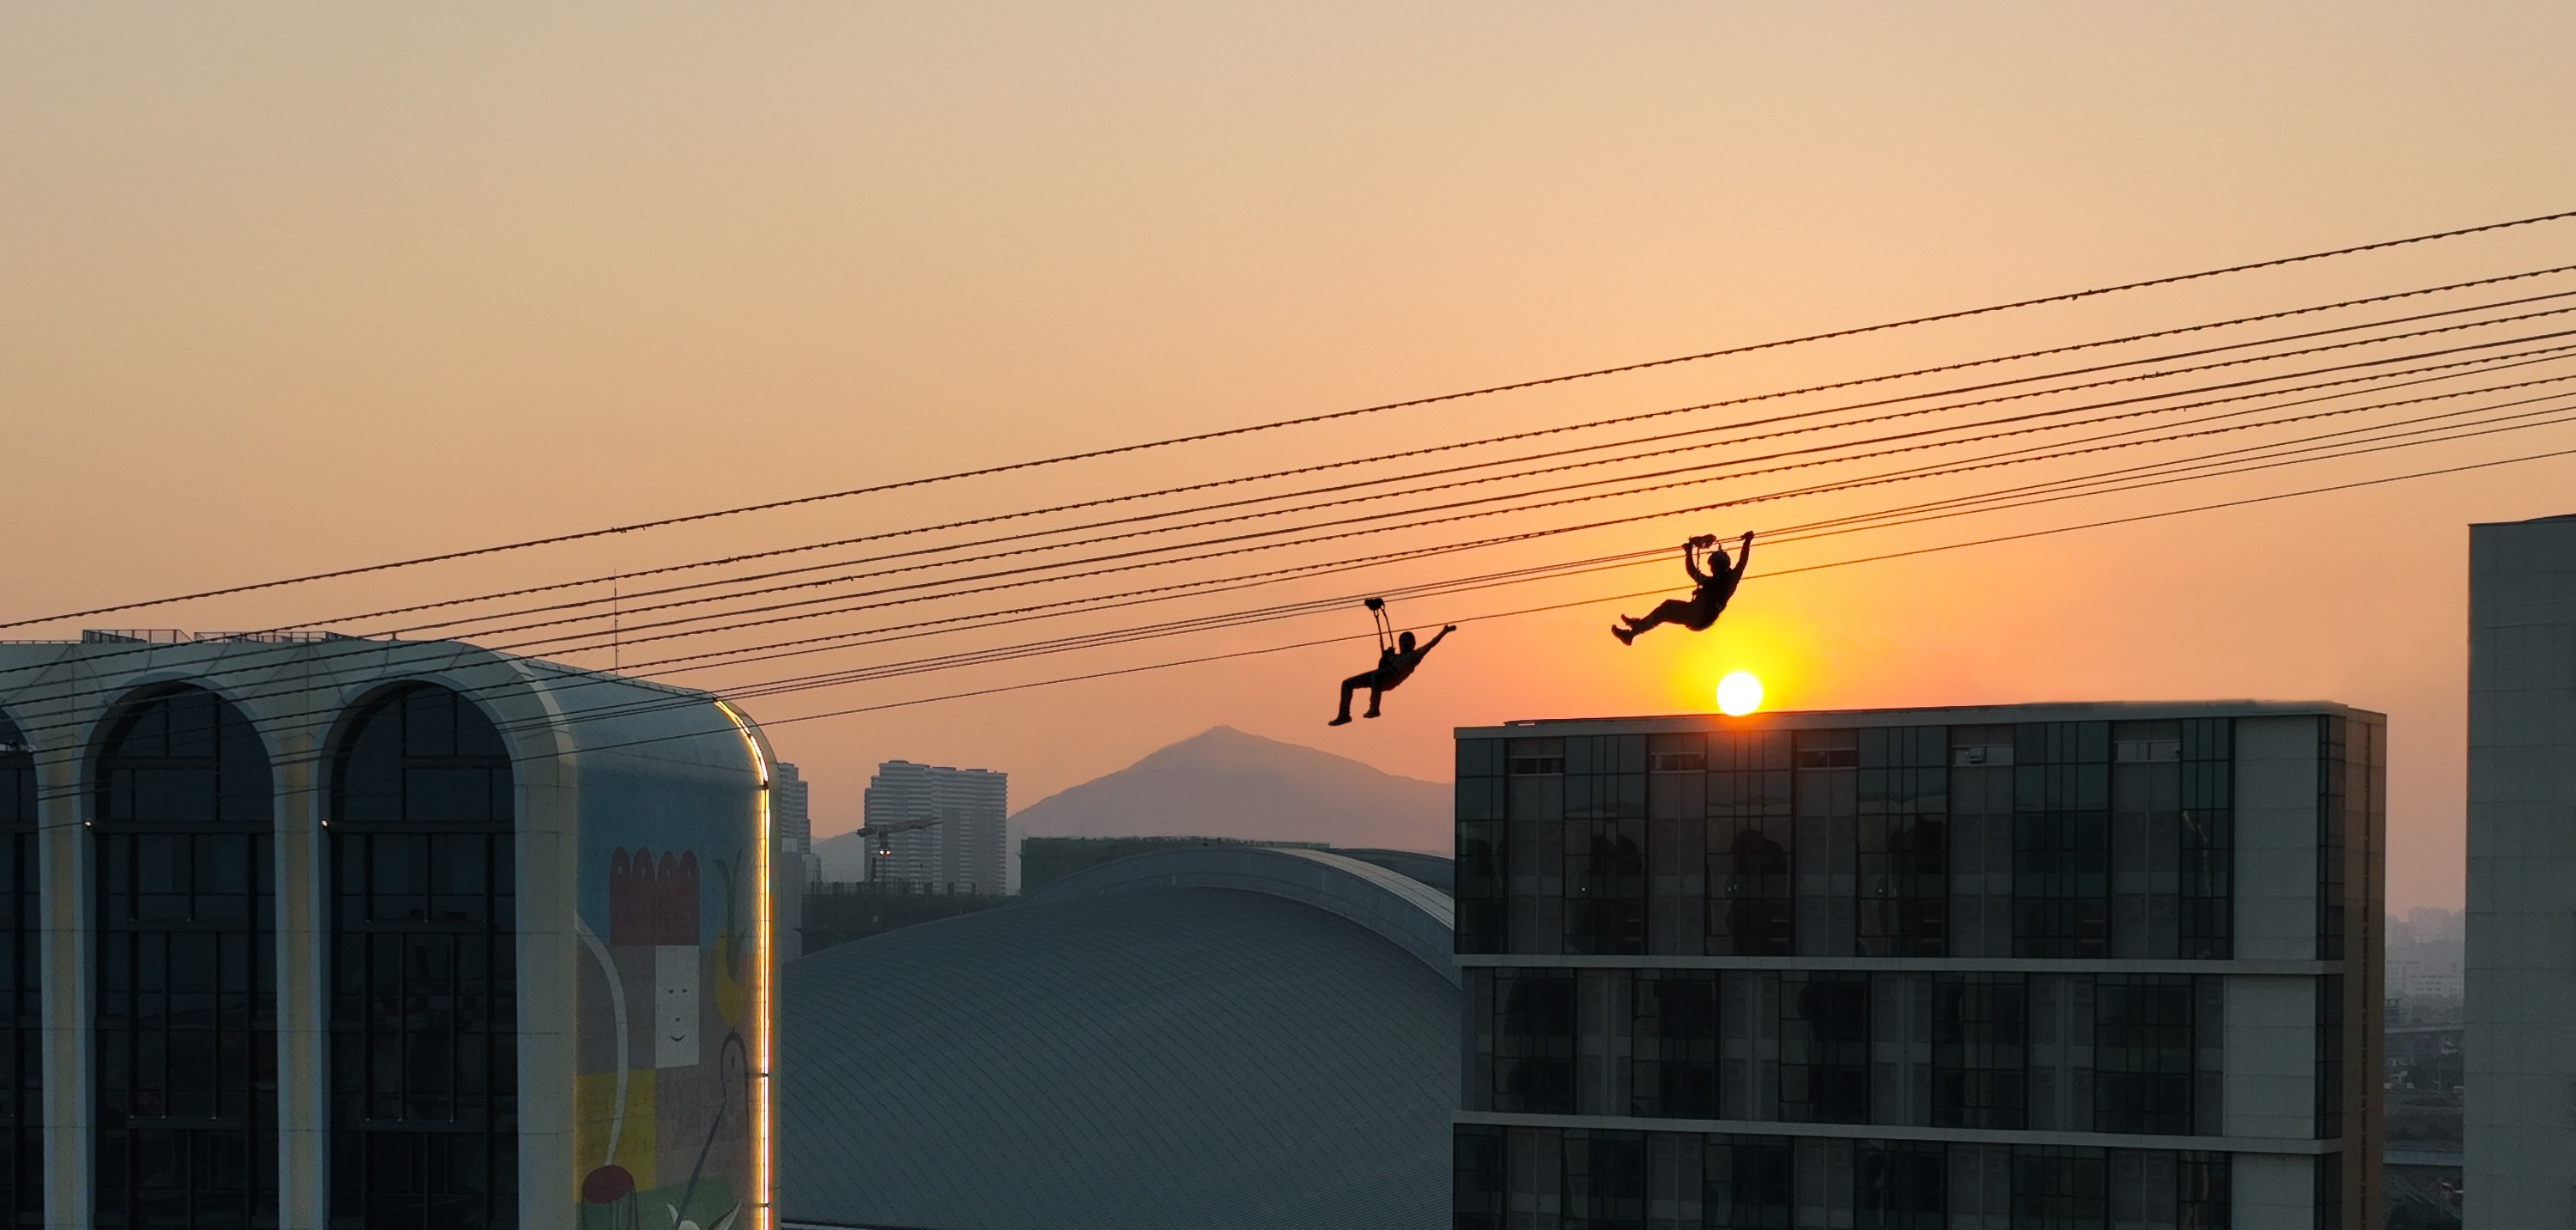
744, 557
2303, 310
698, 699
1024, 536
1960, 314
1874, 480
1513, 436
593, 602
1703, 476
1559, 606
2308, 310
2565, 412
765, 689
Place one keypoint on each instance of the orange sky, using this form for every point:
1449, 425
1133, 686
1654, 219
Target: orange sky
292, 288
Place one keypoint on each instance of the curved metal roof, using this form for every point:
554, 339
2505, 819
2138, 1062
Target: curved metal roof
1140, 1056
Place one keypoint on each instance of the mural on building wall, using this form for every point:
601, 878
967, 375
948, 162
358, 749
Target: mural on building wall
662, 1118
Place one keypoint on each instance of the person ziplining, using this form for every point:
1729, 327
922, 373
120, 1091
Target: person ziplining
1396, 658
1715, 586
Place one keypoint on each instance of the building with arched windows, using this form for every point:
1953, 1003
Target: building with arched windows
353, 933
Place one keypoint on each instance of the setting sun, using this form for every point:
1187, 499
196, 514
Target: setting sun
1739, 693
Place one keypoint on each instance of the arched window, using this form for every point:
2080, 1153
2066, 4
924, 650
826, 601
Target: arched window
22, 1156
186, 1029
424, 985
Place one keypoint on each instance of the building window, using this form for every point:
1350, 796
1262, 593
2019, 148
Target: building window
2142, 1053
1476, 1196
1904, 842
1673, 1049
2330, 1042
1605, 844
424, 1017
1980, 1051
1827, 861
2334, 832
1605, 1180
1899, 1186
186, 1029
1533, 1043
22, 1172
2060, 1188
2329, 1198
1752, 899
1824, 1047
2202, 1195
1744, 1184
1481, 834
2061, 839
2208, 885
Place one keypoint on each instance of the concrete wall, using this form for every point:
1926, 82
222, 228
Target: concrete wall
2276, 838
2271, 1040
2521, 975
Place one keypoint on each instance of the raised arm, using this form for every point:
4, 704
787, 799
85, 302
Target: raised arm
1744, 555
1690, 562
1442, 635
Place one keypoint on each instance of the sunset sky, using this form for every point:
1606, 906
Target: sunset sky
301, 287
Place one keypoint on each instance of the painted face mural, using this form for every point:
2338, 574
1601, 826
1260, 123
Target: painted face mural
663, 1124
675, 1005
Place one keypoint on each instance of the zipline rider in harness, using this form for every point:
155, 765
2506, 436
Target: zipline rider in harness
1701, 609
1395, 663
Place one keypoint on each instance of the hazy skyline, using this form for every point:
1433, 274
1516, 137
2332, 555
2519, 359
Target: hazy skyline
303, 287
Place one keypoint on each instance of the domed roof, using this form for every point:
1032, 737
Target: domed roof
1133, 1049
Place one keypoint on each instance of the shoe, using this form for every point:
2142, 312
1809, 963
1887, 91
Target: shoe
1343, 720
1627, 636
1370, 713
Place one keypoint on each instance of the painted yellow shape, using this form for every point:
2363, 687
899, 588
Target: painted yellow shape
594, 1114
733, 991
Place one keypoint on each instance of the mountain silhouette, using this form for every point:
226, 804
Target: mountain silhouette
1225, 783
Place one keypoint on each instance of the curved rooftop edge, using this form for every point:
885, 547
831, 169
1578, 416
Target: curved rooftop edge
1404, 911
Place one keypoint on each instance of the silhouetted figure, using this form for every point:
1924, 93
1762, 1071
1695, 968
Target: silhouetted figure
1395, 664
1716, 585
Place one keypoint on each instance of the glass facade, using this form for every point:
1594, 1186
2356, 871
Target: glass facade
22, 1168
2125, 1053
1598, 1179
424, 1063
1673, 1045
2062, 839
1750, 893
1997, 928
186, 975
2066, 840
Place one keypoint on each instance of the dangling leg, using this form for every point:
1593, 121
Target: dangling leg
1671, 611
1350, 685
1375, 692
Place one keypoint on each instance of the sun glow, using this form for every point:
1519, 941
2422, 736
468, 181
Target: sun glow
1739, 693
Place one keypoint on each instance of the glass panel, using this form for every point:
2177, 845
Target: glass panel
424, 1127
186, 1031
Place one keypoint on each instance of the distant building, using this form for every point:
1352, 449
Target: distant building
968, 851
2426, 955
2521, 1005
794, 865
2105, 965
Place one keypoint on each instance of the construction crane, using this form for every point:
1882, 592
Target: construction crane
880, 836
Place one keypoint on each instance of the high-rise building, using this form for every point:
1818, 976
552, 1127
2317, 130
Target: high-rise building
2079, 965
793, 860
968, 851
2521, 977
340, 933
